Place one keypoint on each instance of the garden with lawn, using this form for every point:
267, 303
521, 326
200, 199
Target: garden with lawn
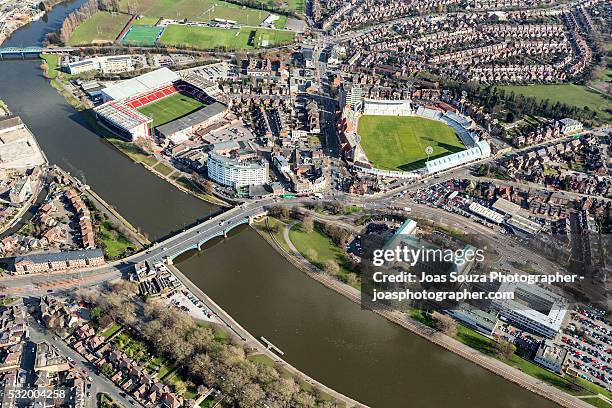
318, 249
114, 244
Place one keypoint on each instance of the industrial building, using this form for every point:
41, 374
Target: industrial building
486, 213
18, 146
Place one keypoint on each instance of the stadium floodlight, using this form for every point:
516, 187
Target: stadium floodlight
428, 151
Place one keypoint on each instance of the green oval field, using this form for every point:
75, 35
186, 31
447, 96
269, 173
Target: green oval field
399, 142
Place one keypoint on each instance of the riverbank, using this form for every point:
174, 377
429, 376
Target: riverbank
251, 341
155, 165
489, 363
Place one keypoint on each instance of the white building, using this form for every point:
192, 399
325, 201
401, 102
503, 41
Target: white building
387, 107
480, 151
570, 126
533, 308
142, 84
550, 356
106, 64
487, 213
234, 173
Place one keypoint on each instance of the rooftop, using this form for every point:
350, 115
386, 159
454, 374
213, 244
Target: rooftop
193, 119
141, 84
122, 115
60, 256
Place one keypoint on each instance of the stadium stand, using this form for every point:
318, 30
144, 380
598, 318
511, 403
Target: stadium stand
122, 101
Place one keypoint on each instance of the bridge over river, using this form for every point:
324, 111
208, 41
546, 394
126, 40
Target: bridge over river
23, 52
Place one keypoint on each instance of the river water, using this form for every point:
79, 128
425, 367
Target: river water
328, 337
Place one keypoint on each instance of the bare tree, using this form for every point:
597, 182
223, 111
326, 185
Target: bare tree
308, 224
446, 324
331, 267
311, 254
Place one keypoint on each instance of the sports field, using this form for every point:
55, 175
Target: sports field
101, 27
142, 35
398, 143
220, 38
170, 108
569, 94
147, 21
196, 10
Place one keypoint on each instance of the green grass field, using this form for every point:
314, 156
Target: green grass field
102, 27
324, 247
114, 243
142, 35
214, 38
569, 94
197, 10
398, 143
170, 108
147, 21
51, 60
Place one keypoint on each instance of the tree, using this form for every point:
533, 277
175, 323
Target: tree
279, 211
352, 279
446, 324
331, 267
308, 224
505, 349
106, 369
95, 313
311, 254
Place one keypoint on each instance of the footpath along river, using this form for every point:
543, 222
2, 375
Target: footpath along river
323, 334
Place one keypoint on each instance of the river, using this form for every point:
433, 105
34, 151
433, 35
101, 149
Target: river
323, 334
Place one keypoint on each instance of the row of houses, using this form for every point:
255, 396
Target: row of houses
127, 374
84, 217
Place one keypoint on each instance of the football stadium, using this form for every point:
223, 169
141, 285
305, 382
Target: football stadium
159, 103
396, 139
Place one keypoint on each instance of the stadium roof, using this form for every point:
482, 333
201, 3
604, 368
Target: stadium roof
141, 84
453, 160
122, 116
193, 119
